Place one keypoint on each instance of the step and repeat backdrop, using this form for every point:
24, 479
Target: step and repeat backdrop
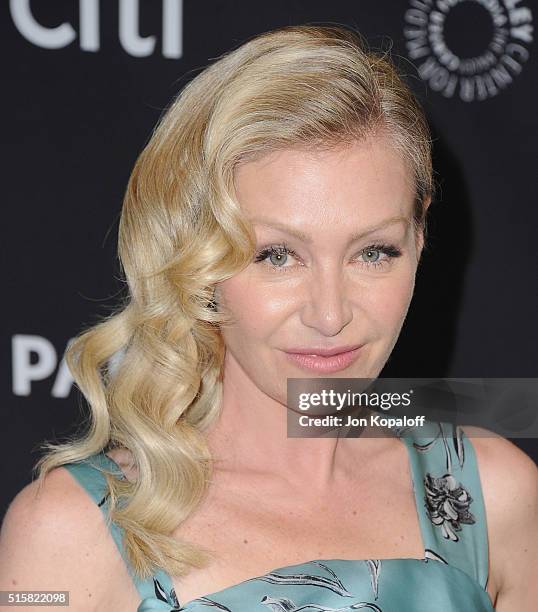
85, 81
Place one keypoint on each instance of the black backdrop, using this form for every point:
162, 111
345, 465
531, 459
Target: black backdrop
85, 81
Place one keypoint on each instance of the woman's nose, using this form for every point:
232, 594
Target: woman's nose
327, 307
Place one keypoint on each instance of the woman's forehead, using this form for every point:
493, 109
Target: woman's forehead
369, 179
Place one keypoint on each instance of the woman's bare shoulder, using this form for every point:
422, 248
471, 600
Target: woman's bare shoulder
509, 479
502, 464
55, 538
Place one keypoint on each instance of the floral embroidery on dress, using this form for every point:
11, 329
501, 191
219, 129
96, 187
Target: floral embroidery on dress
333, 584
446, 500
447, 504
285, 604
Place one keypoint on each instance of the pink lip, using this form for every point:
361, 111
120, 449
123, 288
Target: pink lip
323, 352
319, 363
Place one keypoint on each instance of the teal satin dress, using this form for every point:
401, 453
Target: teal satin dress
452, 576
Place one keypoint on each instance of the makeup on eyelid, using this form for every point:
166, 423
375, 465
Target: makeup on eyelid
282, 249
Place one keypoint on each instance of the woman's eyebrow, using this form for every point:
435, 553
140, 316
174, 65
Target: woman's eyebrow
307, 239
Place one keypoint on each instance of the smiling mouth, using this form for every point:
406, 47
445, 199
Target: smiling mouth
323, 352
325, 364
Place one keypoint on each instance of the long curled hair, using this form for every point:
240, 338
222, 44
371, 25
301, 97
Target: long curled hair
151, 372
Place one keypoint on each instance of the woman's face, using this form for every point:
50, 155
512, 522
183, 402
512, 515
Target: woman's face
346, 280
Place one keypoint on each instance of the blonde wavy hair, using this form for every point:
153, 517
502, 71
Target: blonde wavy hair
181, 232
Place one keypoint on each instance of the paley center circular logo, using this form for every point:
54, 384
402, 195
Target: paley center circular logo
471, 49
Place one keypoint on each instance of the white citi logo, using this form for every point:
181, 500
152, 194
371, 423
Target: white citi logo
89, 28
486, 73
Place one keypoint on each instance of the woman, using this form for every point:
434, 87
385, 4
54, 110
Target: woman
279, 208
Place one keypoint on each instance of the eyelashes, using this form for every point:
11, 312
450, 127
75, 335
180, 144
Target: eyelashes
283, 251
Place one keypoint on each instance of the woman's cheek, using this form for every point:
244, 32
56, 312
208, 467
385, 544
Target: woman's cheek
252, 308
392, 299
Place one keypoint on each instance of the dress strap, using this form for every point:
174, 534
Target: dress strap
448, 495
89, 474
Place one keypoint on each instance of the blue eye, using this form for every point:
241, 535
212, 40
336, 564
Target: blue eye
373, 253
277, 254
